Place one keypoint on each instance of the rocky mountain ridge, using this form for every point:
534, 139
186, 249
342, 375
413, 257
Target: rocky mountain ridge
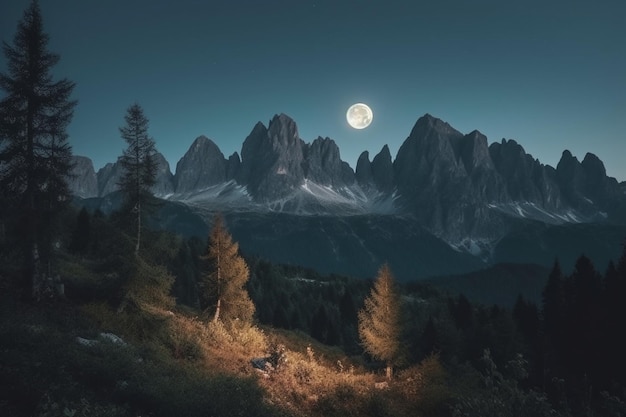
454, 185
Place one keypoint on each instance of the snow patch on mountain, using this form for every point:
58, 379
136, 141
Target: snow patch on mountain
480, 248
224, 196
530, 210
309, 199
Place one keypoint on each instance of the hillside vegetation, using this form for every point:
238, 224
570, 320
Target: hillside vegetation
129, 338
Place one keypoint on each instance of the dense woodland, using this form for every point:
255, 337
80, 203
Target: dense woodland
102, 316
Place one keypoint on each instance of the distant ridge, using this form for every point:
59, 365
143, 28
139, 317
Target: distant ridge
455, 186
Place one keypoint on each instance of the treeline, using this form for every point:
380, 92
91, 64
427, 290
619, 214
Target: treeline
583, 344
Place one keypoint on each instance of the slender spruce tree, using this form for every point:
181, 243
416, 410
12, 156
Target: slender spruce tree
138, 166
223, 283
35, 157
379, 320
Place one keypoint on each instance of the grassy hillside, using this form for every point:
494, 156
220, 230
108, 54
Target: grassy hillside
57, 360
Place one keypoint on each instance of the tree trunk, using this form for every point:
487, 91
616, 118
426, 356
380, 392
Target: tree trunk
32, 253
33, 270
138, 227
389, 371
217, 310
219, 280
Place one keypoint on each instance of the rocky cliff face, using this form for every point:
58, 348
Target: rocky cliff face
526, 179
363, 174
233, 166
202, 166
452, 184
276, 162
271, 160
382, 171
164, 181
458, 186
83, 181
108, 178
431, 180
323, 165
485, 183
587, 189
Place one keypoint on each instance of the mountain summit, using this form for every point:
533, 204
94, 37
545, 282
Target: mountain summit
453, 185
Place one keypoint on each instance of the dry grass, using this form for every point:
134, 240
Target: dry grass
313, 380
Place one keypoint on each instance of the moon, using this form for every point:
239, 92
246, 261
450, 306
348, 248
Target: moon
359, 116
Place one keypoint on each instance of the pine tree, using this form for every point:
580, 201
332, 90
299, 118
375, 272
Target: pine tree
379, 320
138, 165
223, 283
554, 302
34, 153
80, 236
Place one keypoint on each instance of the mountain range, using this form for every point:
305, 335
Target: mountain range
447, 203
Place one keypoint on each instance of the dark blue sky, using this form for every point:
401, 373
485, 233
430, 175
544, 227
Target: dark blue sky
550, 74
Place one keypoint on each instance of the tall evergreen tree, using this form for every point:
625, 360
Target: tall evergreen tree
34, 153
138, 165
80, 235
554, 301
223, 283
379, 320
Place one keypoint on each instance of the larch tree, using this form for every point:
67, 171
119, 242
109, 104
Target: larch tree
223, 282
139, 167
379, 320
35, 157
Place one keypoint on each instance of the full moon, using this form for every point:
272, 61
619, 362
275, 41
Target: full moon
359, 116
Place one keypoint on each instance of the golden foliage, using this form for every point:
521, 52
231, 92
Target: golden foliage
224, 282
379, 320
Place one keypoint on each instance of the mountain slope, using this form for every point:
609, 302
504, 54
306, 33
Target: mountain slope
471, 197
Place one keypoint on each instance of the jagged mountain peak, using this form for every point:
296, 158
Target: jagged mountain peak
427, 156
83, 181
202, 141
233, 166
428, 123
281, 118
593, 166
382, 170
474, 152
258, 128
453, 184
384, 152
202, 166
363, 172
164, 184
284, 129
326, 143
271, 159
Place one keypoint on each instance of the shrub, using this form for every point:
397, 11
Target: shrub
424, 388
150, 286
185, 338
501, 396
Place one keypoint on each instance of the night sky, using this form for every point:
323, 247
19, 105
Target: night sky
549, 74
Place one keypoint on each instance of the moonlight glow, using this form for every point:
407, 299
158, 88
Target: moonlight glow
359, 116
